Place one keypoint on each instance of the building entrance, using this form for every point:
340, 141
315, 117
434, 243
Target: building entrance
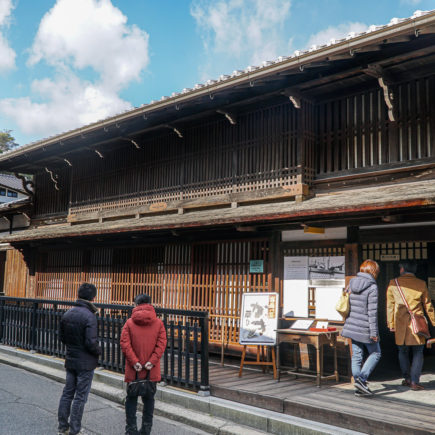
389, 255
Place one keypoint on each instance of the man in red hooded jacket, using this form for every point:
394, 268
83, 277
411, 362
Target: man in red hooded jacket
143, 341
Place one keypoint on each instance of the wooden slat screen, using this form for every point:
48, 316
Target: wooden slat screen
15, 276
48, 200
406, 250
200, 276
212, 158
263, 150
331, 251
232, 279
59, 273
354, 131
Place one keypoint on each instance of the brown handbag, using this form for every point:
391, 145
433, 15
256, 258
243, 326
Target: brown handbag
419, 323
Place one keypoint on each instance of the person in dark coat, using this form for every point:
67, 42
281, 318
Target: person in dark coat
78, 331
361, 326
143, 341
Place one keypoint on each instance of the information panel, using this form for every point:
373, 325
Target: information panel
325, 275
259, 318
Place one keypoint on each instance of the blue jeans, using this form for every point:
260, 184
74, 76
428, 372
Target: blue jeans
413, 371
374, 351
73, 400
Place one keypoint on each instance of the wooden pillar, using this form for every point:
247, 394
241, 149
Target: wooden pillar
275, 261
31, 273
351, 252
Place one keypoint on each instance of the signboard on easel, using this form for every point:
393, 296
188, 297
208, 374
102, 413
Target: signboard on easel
259, 319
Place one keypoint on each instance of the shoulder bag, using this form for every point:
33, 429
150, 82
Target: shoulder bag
419, 324
141, 387
343, 304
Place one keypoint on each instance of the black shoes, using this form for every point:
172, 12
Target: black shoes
362, 387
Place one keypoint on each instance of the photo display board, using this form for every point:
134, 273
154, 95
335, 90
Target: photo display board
326, 300
295, 302
325, 274
259, 319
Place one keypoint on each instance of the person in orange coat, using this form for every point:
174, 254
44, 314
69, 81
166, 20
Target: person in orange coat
143, 341
399, 321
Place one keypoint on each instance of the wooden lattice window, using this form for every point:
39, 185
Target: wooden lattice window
404, 250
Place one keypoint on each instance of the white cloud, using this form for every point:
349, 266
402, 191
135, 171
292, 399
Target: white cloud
247, 30
7, 54
338, 32
75, 37
70, 102
91, 33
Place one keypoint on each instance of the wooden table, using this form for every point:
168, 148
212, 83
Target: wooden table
316, 339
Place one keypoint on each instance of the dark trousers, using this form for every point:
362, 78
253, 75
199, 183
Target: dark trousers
73, 400
147, 414
411, 371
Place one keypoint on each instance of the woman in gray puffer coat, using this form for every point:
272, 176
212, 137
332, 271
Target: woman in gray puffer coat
361, 326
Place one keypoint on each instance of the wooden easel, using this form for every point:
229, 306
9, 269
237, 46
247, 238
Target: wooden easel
260, 361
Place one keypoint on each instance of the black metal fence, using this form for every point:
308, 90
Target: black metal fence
33, 324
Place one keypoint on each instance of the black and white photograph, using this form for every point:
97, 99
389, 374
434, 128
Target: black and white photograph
326, 268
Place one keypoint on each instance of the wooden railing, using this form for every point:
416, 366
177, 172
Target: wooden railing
258, 187
33, 324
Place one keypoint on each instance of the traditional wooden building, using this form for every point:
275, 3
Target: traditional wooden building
175, 198
15, 206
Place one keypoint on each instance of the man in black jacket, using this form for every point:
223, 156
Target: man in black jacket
78, 331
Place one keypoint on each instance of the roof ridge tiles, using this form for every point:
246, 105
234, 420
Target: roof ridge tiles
229, 77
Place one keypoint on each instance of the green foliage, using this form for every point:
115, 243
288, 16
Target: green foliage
7, 142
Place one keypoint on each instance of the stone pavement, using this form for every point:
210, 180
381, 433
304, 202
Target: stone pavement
209, 414
28, 405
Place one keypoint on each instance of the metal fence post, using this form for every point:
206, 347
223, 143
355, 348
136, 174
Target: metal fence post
39, 321
2, 303
33, 330
204, 354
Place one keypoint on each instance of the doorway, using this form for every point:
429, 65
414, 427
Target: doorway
388, 255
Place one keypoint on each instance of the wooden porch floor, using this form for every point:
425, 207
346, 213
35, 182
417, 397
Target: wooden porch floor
393, 408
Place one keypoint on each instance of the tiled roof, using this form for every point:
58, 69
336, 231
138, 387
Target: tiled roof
14, 204
377, 198
210, 84
11, 182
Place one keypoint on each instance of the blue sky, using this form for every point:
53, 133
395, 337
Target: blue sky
67, 63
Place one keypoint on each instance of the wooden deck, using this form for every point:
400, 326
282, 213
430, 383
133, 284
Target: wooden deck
393, 409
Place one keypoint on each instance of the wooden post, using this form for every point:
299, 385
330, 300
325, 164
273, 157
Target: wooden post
351, 253
242, 361
223, 332
275, 263
259, 361
351, 259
